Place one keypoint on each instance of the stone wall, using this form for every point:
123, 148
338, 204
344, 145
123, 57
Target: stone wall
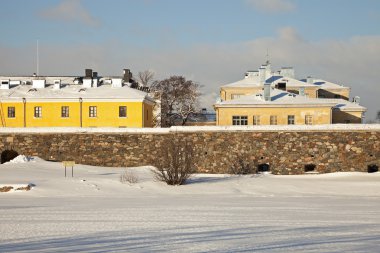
286, 152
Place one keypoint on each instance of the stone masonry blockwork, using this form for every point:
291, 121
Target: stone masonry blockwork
286, 152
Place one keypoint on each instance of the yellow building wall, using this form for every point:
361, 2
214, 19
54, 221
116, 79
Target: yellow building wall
51, 114
17, 121
333, 93
310, 92
227, 93
321, 115
347, 117
107, 114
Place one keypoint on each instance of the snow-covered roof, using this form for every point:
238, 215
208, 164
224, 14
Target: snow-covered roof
253, 81
246, 82
323, 84
48, 79
278, 98
344, 105
68, 92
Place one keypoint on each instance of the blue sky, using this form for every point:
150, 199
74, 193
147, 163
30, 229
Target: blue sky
211, 41
188, 22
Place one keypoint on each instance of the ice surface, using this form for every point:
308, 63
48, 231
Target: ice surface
95, 212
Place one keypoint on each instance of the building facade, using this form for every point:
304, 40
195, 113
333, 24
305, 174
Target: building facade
264, 97
44, 102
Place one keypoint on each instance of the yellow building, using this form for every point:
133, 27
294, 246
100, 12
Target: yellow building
284, 108
44, 102
279, 108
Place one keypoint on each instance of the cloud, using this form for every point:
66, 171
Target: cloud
272, 6
352, 62
70, 11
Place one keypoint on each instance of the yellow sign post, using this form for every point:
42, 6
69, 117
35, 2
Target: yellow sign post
68, 164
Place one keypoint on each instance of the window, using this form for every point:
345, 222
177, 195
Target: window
290, 119
281, 86
273, 120
122, 111
37, 111
256, 119
93, 112
64, 111
235, 96
308, 120
240, 120
11, 112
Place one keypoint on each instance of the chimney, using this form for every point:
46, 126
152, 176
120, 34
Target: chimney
5, 84
87, 82
127, 75
267, 92
57, 84
38, 83
268, 70
95, 82
302, 91
88, 73
117, 82
310, 80
356, 100
262, 75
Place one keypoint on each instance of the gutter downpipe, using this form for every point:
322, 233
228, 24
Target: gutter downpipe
80, 111
24, 102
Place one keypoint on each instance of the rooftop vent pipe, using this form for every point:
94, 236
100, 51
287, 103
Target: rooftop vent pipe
267, 92
310, 80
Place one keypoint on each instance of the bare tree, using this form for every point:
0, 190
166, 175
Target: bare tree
145, 78
174, 162
179, 99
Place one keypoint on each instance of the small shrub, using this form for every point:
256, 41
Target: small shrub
128, 177
6, 188
242, 166
174, 162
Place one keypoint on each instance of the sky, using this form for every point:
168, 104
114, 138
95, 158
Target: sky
212, 42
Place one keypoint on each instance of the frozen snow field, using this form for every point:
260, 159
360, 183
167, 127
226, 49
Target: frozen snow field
95, 212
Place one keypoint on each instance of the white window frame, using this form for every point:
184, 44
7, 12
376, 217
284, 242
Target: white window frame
65, 111
291, 120
123, 116
38, 112
93, 111
308, 119
11, 112
239, 120
256, 120
273, 120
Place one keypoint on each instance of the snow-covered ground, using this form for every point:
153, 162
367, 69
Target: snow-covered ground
95, 212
